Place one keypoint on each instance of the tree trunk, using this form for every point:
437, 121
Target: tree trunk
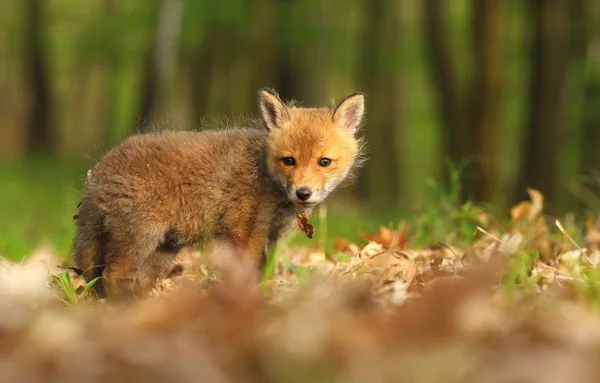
285, 76
110, 63
160, 62
201, 76
590, 161
548, 71
487, 96
454, 130
40, 138
380, 184
590, 151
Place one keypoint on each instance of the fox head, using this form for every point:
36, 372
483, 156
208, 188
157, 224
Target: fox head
311, 150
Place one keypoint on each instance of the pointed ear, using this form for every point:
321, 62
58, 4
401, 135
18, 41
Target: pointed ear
349, 112
273, 110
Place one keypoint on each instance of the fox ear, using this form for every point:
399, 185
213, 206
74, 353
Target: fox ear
273, 110
349, 112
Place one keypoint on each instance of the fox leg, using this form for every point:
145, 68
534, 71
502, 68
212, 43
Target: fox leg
247, 230
155, 268
88, 244
257, 251
88, 257
125, 254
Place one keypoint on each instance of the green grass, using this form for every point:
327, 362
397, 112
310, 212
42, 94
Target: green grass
71, 294
37, 203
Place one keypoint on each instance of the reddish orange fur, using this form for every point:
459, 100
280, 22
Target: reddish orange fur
311, 136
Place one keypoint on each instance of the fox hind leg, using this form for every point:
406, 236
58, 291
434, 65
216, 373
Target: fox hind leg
126, 253
89, 258
88, 244
156, 267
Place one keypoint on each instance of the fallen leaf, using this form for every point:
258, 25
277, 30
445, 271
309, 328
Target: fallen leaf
407, 269
528, 210
302, 221
387, 237
372, 249
571, 260
534, 226
436, 261
341, 244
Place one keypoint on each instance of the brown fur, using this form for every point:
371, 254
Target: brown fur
158, 193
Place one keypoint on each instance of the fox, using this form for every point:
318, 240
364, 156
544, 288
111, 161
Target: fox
160, 192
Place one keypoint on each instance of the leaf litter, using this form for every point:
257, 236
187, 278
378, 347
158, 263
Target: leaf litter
517, 304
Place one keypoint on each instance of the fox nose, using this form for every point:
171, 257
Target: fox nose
303, 193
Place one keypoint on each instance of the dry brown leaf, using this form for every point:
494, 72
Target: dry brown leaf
383, 259
387, 237
345, 246
436, 261
520, 211
528, 210
372, 249
304, 225
571, 259
407, 269
341, 244
536, 229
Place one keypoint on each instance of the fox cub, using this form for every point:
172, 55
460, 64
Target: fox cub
158, 193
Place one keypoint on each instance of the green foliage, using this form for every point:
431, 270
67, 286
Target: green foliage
518, 277
37, 203
341, 257
301, 272
447, 218
72, 295
274, 256
588, 287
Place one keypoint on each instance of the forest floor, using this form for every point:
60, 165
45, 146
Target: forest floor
503, 298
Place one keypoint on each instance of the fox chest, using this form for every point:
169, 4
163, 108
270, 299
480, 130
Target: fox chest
283, 221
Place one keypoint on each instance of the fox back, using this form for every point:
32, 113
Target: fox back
158, 193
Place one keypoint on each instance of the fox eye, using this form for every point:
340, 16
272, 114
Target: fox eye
288, 161
324, 162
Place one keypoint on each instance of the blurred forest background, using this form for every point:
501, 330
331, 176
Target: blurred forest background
507, 91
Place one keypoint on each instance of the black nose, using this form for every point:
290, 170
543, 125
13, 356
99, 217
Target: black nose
303, 194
